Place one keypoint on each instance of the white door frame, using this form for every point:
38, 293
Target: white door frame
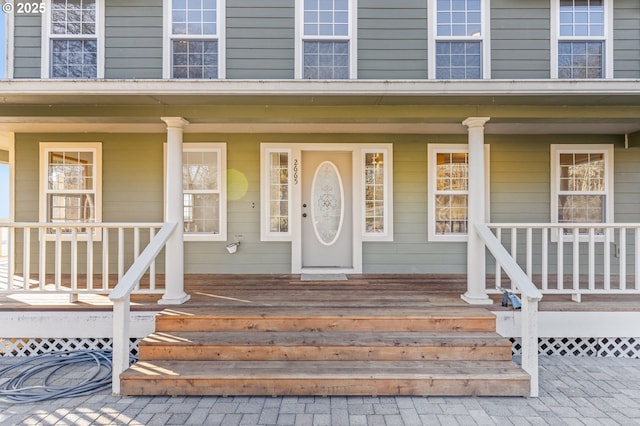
356, 200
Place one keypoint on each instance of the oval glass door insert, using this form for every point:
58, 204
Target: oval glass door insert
327, 210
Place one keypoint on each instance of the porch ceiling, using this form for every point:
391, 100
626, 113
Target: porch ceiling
515, 107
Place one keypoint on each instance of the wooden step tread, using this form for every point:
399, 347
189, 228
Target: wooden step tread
324, 378
325, 312
334, 338
423, 370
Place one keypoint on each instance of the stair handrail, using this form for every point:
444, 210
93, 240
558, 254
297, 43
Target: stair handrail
530, 298
121, 298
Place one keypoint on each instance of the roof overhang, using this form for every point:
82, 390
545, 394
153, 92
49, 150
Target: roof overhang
336, 106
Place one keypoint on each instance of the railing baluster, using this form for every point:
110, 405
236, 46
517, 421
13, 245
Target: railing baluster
560, 260
26, 257
592, 259
73, 297
120, 253
576, 265
545, 259
623, 259
606, 267
58, 259
90, 232
136, 249
11, 261
105, 258
529, 253
514, 249
42, 258
152, 267
636, 251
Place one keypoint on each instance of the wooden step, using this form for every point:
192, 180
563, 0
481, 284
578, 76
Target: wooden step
324, 378
268, 345
443, 319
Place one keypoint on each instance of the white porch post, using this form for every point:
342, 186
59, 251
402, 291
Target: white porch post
476, 293
174, 250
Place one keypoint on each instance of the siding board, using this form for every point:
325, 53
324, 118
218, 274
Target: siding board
133, 39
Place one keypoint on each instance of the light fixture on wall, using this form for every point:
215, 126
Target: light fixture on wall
233, 247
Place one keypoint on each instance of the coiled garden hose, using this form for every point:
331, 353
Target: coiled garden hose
36, 374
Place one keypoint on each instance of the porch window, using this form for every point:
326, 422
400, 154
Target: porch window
195, 39
70, 185
204, 184
74, 35
459, 42
326, 43
582, 27
582, 184
448, 183
377, 194
277, 172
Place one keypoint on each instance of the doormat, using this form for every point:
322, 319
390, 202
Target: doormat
323, 277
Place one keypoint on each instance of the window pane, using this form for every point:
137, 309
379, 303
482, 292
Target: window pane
458, 60
459, 18
451, 214
580, 59
74, 58
76, 17
194, 17
326, 18
195, 59
279, 192
326, 60
71, 208
202, 213
374, 192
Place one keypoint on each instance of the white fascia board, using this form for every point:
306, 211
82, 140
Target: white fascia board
312, 87
572, 324
69, 324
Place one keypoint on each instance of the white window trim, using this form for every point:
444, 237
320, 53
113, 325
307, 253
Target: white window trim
9, 28
221, 148
351, 38
387, 235
607, 38
265, 194
45, 64
96, 148
432, 38
605, 149
432, 150
167, 36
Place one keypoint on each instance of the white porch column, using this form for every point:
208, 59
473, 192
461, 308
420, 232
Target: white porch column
174, 250
476, 293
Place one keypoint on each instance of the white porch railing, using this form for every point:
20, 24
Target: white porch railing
575, 259
530, 298
120, 297
73, 258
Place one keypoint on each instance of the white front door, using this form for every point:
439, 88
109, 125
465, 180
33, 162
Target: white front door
327, 210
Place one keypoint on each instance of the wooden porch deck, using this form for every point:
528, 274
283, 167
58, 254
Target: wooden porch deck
287, 290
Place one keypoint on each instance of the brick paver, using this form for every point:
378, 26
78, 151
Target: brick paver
573, 391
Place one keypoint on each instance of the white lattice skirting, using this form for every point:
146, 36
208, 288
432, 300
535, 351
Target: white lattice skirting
31, 347
613, 347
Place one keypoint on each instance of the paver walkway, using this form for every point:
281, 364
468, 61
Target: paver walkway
573, 391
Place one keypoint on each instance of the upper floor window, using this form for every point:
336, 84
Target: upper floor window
582, 183
204, 187
70, 188
582, 33
459, 45
195, 39
73, 39
327, 45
